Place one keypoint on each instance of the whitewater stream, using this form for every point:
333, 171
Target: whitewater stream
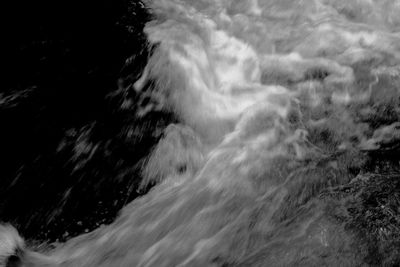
275, 101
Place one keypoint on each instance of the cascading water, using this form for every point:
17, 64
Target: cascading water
281, 107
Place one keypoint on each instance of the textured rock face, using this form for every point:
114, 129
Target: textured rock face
281, 147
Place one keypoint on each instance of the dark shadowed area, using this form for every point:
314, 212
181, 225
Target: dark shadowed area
71, 147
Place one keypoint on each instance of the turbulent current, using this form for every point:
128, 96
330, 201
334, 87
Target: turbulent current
281, 104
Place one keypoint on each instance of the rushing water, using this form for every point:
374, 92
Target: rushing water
278, 103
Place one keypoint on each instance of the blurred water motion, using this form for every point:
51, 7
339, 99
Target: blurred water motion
284, 151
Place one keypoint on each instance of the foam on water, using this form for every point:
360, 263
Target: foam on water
271, 96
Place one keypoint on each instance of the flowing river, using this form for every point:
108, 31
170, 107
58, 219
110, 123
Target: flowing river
277, 103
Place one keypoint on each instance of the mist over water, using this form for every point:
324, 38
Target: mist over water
281, 104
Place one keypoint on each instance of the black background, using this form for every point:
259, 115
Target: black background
68, 156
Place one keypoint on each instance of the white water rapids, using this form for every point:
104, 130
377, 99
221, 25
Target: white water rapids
273, 98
